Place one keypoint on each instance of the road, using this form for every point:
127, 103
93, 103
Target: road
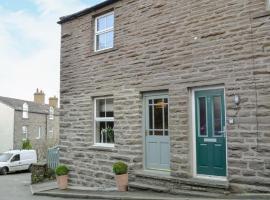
16, 187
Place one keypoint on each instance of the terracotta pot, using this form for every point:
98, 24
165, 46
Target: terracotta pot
62, 182
122, 182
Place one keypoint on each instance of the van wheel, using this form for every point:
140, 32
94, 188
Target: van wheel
4, 171
30, 168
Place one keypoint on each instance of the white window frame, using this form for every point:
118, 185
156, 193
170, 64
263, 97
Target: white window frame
25, 111
103, 31
51, 113
39, 133
101, 119
25, 132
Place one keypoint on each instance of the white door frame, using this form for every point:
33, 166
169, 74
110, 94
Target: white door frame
194, 154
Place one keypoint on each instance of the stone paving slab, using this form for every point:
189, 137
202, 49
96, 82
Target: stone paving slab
41, 187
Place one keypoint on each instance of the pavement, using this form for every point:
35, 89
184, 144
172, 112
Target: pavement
50, 189
17, 187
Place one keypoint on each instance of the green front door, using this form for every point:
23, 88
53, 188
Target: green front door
210, 132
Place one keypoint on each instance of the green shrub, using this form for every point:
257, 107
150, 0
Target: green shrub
26, 144
120, 168
61, 170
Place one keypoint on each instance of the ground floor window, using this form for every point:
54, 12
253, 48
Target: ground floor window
104, 121
24, 132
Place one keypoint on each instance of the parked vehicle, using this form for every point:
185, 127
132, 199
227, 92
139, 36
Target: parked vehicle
17, 160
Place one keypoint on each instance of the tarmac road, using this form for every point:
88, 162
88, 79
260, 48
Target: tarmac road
16, 187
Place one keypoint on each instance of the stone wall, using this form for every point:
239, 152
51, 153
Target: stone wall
33, 122
175, 46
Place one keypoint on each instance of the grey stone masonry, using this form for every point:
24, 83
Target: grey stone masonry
176, 46
49, 131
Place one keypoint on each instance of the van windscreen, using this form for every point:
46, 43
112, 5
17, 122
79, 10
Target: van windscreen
4, 157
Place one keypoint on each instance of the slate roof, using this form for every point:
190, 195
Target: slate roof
33, 107
85, 11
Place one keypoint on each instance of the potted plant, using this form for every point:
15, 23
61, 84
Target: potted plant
121, 176
62, 176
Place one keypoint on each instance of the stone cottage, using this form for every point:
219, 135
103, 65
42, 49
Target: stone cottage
33, 120
179, 90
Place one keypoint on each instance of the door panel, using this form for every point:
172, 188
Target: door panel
210, 132
157, 145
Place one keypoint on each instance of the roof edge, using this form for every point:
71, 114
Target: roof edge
85, 11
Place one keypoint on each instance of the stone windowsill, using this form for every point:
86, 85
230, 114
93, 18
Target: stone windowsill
102, 148
103, 51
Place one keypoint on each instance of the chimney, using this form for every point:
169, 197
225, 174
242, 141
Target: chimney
53, 101
39, 97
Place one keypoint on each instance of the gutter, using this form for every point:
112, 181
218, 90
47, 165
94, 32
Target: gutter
85, 11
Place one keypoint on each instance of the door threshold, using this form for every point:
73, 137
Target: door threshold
149, 172
214, 178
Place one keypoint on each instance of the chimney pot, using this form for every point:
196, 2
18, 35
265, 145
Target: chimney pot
39, 97
53, 101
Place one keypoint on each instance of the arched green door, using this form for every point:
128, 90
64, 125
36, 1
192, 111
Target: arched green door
210, 132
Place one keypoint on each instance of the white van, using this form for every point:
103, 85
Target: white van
17, 160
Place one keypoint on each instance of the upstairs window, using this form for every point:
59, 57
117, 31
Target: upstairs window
51, 113
24, 132
39, 133
104, 32
25, 111
104, 122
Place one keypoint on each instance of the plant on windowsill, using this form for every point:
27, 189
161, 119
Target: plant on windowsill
62, 176
121, 176
107, 135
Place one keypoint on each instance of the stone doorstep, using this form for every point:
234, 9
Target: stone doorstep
189, 193
192, 181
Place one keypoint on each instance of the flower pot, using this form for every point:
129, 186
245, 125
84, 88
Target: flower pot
122, 182
62, 182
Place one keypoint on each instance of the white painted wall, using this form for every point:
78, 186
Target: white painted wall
6, 127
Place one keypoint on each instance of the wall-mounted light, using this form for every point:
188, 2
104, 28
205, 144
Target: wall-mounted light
236, 99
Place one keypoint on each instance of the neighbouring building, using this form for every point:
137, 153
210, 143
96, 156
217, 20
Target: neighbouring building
179, 90
33, 120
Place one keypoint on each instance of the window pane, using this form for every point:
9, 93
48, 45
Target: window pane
105, 132
158, 101
100, 108
166, 115
110, 21
166, 133
101, 41
202, 115
159, 133
158, 124
150, 117
109, 107
109, 41
217, 115
101, 23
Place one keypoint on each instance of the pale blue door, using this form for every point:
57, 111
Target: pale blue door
157, 140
